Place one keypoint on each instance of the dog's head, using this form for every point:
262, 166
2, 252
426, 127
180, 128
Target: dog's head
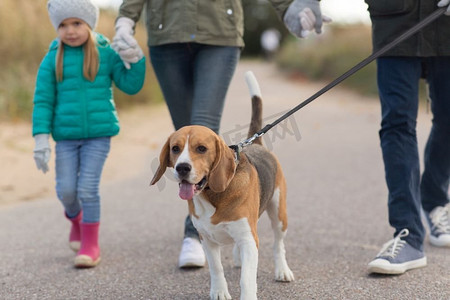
199, 158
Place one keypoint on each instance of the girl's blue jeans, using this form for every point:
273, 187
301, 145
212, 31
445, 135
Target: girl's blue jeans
79, 165
194, 79
398, 84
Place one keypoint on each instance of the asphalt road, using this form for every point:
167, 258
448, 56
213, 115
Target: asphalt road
337, 212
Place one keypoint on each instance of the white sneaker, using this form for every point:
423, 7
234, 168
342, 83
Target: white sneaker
191, 254
439, 222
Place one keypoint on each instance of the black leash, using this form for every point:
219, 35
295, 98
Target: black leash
344, 76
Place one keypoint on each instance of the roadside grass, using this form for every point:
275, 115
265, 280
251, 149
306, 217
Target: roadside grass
329, 55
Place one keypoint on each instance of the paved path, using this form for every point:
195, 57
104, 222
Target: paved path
336, 205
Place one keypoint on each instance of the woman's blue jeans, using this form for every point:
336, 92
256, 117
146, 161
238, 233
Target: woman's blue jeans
194, 79
398, 84
79, 165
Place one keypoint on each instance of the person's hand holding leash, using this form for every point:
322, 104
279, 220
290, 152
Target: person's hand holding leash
42, 151
124, 42
444, 3
303, 16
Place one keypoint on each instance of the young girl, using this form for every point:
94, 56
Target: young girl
73, 102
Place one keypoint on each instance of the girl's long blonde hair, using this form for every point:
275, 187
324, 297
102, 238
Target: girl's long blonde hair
90, 62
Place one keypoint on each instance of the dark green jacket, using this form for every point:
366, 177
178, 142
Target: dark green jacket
212, 22
390, 18
77, 108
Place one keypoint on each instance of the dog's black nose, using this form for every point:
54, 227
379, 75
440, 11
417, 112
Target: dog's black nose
183, 169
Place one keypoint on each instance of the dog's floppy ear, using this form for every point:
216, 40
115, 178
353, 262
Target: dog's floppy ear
164, 162
223, 167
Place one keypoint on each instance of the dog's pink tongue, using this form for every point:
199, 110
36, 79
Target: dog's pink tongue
186, 191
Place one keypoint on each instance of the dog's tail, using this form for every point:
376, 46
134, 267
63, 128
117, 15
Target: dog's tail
255, 93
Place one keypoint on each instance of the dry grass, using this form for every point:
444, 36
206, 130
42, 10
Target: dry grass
331, 54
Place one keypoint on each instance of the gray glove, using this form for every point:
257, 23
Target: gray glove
443, 3
42, 151
302, 16
130, 55
124, 42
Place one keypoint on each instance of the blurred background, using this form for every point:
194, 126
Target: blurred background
26, 32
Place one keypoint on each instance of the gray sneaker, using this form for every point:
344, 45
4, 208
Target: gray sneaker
397, 257
439, 223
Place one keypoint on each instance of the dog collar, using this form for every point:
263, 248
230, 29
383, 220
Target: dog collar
237, 152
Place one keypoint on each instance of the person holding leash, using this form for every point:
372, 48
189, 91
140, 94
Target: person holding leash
194, 50
73, 102
426, 55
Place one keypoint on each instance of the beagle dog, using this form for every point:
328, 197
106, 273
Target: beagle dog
226, 195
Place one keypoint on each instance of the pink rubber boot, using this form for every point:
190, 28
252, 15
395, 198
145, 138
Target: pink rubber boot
75, 234
89, 254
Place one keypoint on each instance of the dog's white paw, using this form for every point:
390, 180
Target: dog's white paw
219, 295
284, 274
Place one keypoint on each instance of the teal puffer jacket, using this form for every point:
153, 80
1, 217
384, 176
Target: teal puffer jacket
76, 108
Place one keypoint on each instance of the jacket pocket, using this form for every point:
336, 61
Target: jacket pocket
156, 14
378, 8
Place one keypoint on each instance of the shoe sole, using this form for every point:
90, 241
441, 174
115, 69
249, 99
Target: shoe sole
439, 243
85, 261
396, 269
191, 264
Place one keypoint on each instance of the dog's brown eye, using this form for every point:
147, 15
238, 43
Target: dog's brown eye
175, 149
201, 149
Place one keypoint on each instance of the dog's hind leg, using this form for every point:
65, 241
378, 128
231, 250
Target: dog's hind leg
276, 210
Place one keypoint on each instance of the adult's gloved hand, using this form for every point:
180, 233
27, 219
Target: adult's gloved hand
42, 151
303, 16
443, 3
124, 42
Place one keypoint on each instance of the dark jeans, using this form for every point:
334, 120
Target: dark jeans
398, 79
194, 79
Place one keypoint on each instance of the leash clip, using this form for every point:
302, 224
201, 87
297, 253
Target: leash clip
250, 140
242, 144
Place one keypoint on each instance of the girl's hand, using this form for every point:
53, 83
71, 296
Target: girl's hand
131, 55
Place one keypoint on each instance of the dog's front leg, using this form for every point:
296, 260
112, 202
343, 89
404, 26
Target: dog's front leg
249, 267
219, 287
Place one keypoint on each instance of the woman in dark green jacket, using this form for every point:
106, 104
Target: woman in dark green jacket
194, 50
73, 102
427, 55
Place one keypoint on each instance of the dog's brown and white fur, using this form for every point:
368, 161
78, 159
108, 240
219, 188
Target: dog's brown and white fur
226, 197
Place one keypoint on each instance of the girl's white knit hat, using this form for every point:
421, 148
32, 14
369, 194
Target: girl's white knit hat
85, 10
